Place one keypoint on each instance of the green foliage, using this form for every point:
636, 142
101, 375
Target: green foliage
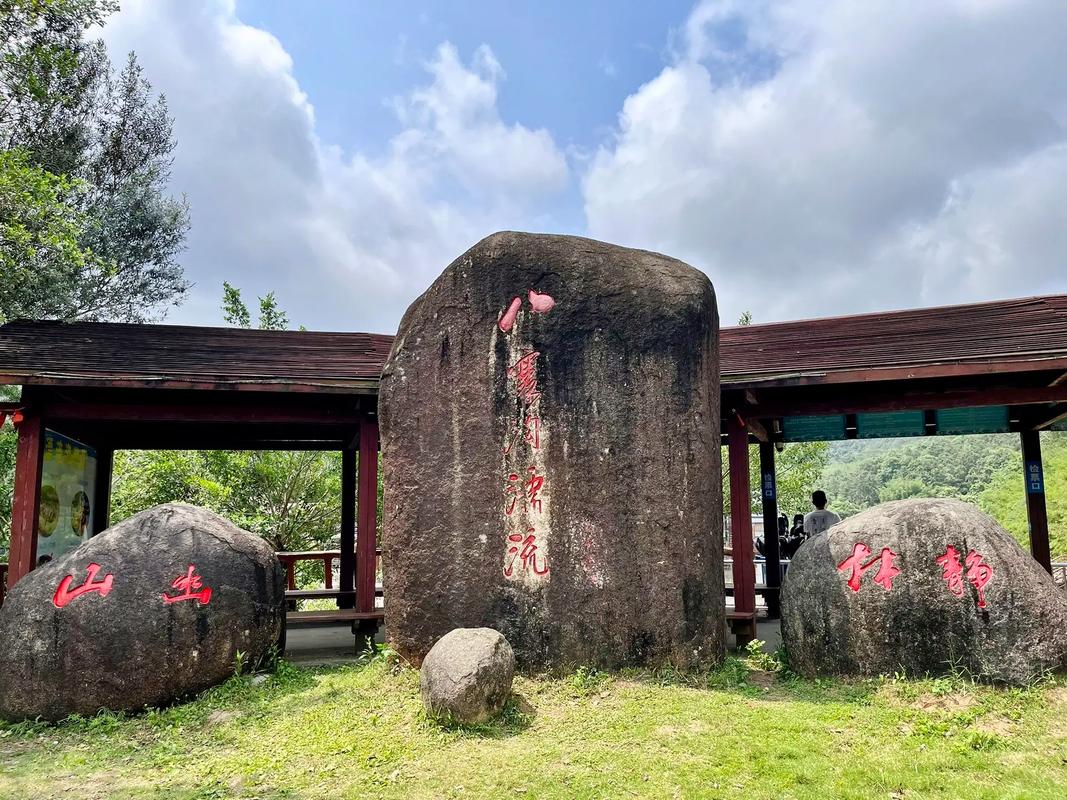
88, 230
798, 472
41, 227
234, 311
1004, 498
863, 474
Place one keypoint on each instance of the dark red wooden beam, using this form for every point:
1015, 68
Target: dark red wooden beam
855, 399
274, 414
347, 567
26, 499
861, 376
367, 538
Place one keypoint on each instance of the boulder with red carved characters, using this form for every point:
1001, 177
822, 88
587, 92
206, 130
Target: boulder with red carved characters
550, 440
152, 609
922, 586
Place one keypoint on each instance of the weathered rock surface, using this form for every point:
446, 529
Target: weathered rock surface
466, 676
550, 429
939, 585
152, 609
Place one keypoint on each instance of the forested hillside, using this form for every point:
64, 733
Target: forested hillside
985, 470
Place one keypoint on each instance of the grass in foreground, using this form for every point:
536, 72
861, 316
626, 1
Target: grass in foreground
358, 731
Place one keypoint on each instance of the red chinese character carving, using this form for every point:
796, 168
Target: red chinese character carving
64, 594
979, 574
952, 572
190, 586
531, 434
534, 484
532, 488
541, 303
525, 374
507, 319
855, 562
523, 548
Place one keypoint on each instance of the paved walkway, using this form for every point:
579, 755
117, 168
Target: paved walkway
335, 644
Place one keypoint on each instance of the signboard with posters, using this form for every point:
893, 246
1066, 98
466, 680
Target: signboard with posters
68, 478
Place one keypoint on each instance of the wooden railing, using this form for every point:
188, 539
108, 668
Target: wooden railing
327, 557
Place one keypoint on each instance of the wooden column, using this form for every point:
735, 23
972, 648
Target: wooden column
26, 500
1033, 474
347, 561
367, 542
769, 492
741, 516
105, 462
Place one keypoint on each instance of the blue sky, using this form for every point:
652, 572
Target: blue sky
814, 157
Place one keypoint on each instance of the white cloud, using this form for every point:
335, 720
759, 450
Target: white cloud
826, 156
347, 240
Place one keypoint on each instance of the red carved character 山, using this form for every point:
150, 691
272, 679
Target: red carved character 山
857, 565
64, 594
191, 587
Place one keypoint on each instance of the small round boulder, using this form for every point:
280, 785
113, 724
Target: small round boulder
466, 676
922, 586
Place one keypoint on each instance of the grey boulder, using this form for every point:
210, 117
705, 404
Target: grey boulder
466, 677
922, 586
154, 608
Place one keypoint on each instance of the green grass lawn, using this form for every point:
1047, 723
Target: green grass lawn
358, 731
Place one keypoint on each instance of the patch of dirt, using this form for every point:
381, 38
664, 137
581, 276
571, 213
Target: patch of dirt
1001, 727
948, 704
219, 717
762, 678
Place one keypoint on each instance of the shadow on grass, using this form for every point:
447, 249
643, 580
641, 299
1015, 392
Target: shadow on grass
516, 717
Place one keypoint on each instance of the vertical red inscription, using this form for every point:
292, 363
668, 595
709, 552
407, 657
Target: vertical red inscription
64, 594
524, 373
523, 548
191, 587
857, 565
507, 319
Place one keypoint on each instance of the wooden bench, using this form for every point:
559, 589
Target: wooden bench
296, 618
742, 626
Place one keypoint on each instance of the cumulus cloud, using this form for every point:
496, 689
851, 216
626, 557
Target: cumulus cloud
346, 239
823, 156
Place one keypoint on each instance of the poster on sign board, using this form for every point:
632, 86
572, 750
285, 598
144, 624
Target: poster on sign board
68, 481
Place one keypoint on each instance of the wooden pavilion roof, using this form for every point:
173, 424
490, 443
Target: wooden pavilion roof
1005, 336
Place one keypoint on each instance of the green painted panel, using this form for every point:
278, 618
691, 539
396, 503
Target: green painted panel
982, 419
888, 424
813, 429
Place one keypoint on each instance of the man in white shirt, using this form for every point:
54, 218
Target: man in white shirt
820, 519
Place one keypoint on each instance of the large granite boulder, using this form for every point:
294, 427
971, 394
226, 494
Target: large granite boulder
550, 434
922, 586
466, 677
154, 608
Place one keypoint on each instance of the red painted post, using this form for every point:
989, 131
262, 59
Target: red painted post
327, 571
741, 517
1036, 512
367, 540
348, 527
26, 500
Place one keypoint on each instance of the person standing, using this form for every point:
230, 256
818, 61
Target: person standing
817, 521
